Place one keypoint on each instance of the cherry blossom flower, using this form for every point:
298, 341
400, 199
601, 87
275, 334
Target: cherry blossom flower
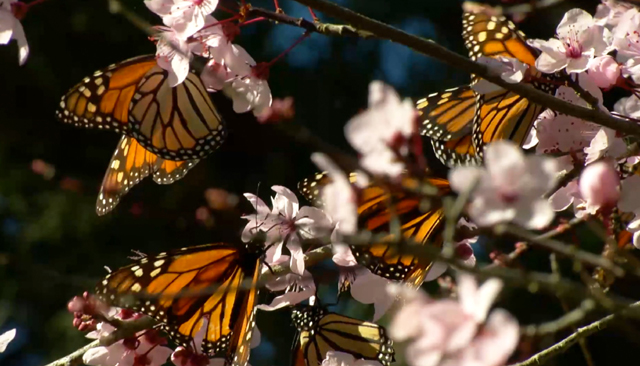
609, 12
381, 134
445, 332
599, 186
296, 288
10, 28
579, 40
605, 71
6, 338
368, 288
510, 188
563, 133
176, 63
605, 143
335, 358
628, 106
186, 17
340, 201
626, 40
249, 93
286, 224
509, 69
143, 349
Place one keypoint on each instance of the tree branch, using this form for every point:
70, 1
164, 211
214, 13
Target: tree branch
430, 48
339, 30
560, 347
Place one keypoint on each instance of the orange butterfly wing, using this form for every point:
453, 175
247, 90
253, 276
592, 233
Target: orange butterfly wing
500, 115
374, 215
183, 288
129, 165
448, 114
134, 98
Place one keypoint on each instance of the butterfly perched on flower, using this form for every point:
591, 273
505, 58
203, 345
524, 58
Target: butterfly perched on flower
321, 331
214, 285
166, 130
377, 206
460, 121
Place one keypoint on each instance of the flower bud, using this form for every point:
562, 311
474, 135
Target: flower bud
600, 186
604, 71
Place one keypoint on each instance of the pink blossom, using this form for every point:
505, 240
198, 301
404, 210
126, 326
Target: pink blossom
335, 358
599, 186
296, 288
626, 40
579, 40
186, 17
10, 28
382, 133
566, 133
369, 288
143, 349
605, 71
610, 11
340, 201
6, 338
606, 143
628, 106
176, 63
441, 331
510, 188
285, 225
509, 69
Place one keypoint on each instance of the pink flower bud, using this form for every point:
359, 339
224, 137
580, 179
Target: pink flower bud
600, 186
604, 71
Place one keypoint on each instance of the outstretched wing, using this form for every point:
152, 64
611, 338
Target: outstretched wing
135, 98
187, 289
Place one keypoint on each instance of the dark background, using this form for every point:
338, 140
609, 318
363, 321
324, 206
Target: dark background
52, 244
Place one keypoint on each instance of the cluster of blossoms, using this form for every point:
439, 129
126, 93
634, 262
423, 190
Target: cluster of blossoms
189, 30
599, 53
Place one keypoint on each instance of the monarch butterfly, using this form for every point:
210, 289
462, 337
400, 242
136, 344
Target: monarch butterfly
175, 288
133, 97
130, 164
374, 214
497, 115
322, 331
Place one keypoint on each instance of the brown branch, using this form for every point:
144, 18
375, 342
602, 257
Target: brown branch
430, 48
338, 30
561, 248
560, 347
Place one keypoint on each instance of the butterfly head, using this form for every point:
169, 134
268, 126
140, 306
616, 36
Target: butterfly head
306, 317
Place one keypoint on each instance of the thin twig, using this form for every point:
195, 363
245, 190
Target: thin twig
571, 318
560, 347
560, 247
338, 30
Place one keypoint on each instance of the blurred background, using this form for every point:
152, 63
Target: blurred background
53, 246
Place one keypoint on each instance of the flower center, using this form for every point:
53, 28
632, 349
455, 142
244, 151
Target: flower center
572, 47
509, 197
